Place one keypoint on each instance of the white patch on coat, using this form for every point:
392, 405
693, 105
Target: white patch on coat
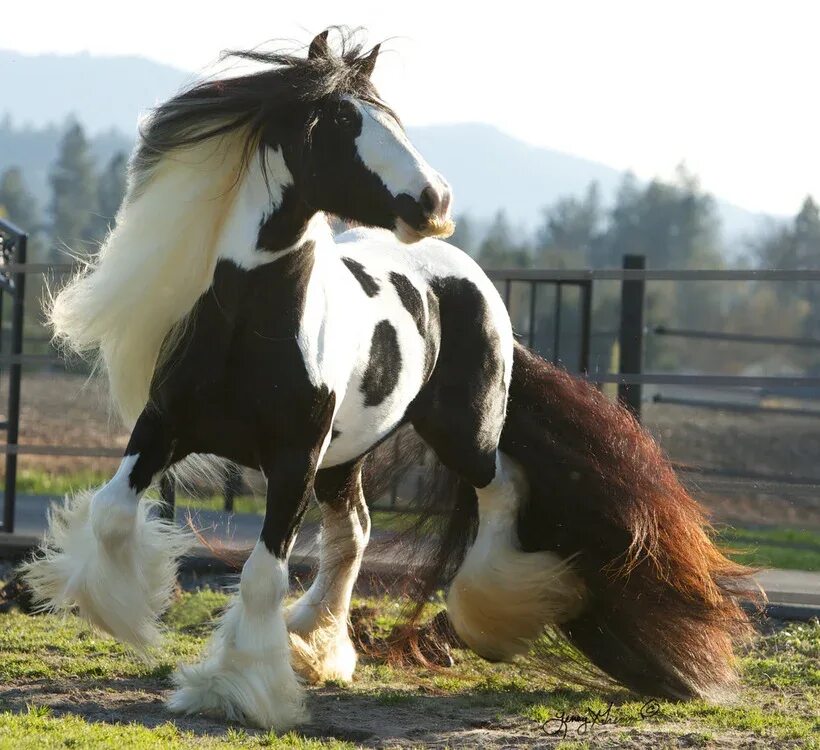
501, 599
258, 197
246, 674
385, 150
352, 315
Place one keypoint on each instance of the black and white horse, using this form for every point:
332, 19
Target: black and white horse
231, 322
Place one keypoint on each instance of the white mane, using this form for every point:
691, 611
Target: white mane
131, 302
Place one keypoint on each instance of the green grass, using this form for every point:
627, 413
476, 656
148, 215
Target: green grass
792, 549
38, 730
39, 482
779, 702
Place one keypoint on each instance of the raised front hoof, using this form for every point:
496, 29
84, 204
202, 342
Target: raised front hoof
240, 689
324, 655
120, 583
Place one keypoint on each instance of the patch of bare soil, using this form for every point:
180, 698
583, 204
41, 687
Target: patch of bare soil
760, 468
415, 720
70, 411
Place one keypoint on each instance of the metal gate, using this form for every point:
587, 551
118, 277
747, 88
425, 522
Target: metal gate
13, 242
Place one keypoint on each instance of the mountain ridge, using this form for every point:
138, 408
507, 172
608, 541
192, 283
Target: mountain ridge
489, 169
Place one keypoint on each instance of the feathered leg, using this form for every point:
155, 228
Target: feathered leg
318, 622
502, 598
107, 555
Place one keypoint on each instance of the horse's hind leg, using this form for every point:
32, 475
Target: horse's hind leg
318, 621
501, 597
105, 555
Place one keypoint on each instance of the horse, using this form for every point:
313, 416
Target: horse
231, 322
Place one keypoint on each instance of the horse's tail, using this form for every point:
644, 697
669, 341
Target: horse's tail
660, 610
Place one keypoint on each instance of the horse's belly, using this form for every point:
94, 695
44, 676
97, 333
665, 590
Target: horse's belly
354, 438
377, 396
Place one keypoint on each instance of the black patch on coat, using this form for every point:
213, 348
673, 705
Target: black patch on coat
289, 220
382, 373
236, 385
459, 413
368, 283
410, 298
432, 340
334, 433
340, 486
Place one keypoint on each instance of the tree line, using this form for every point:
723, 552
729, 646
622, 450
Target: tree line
84, 199
675, 224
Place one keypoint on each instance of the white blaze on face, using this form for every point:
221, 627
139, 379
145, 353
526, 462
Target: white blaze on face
386, 151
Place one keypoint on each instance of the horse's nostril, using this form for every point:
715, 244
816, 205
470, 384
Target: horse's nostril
446, 197
429, 202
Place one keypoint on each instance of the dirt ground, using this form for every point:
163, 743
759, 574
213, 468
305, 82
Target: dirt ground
418, 721
69, 410
56, 665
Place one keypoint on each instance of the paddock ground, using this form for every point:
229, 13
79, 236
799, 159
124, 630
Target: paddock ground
62, 685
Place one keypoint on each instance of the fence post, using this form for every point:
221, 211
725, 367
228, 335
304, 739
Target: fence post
631, 334
586, 327
168, 495
15, 374
233, 486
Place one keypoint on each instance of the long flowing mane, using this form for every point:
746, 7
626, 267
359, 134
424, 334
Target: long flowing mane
199, 161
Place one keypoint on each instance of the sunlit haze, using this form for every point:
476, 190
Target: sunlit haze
729, 88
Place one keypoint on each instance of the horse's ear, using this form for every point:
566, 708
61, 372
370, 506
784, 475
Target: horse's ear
318, 47
368, 63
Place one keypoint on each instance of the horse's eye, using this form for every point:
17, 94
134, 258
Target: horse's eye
345, 116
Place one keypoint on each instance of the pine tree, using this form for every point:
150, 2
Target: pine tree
110, 192
16, 202
464, 237
675, 225
570, 230
498, 249
793, 247
74, 191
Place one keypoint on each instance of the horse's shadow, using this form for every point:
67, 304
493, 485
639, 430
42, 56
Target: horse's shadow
371, 718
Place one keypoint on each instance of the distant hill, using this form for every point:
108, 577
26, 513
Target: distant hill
487, 168
102, 92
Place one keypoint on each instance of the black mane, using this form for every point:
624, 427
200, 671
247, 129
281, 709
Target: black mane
217, 107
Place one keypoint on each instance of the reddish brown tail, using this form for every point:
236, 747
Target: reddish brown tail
662, 613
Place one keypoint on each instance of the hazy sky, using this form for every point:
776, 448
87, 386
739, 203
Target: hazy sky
731, 88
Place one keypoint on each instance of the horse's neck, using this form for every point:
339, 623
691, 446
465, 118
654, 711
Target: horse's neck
268, 220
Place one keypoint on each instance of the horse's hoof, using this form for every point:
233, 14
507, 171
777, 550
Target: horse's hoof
120, 582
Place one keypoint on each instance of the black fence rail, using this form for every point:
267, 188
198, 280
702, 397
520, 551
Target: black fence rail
632, 330
13, 246
507, 281
546, 316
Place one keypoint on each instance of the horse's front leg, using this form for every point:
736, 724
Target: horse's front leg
246, 674
318, 622
106, 555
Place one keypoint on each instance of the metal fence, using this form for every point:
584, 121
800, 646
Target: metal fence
525, 288
13, 246
632, 329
